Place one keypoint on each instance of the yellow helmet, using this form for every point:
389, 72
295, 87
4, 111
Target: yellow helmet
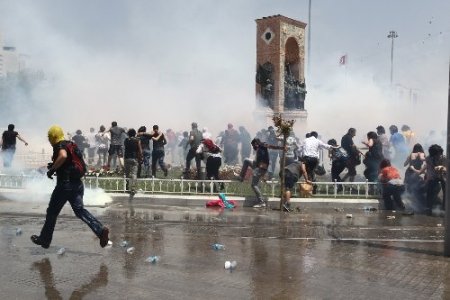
55, 134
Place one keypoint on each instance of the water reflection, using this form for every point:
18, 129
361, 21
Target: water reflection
44, 268
135, 230
45, 271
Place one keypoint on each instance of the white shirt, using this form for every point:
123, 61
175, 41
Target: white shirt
203, 149
312, 145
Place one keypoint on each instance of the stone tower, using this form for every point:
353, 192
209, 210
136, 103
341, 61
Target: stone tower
280, 66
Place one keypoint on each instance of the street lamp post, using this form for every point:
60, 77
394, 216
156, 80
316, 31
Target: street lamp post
392, 35
447, 184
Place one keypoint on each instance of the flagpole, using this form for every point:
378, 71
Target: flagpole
308, 72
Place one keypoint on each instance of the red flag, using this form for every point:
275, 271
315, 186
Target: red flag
343, 60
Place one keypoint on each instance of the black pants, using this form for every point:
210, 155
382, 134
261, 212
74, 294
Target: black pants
310, 164
212, 167
433, 188
392, 196
72, 192
192, 154
371, 171
337, 167
212, 170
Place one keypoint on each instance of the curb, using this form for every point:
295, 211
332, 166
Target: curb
200, 200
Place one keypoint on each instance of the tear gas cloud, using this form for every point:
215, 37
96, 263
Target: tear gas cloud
38, 191
171, 63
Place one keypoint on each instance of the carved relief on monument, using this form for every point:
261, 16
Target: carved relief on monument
294, 85
264, 77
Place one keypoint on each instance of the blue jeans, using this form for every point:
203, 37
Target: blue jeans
145, 165
258, 173
8, 155
72, 192
158, 157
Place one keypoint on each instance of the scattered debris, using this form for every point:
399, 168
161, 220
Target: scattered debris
217, 246
152, 259
230, 265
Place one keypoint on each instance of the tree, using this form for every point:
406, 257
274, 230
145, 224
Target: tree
284, 128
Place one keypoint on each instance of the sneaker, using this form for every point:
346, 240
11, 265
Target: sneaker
287, 207
38, 241
260, 204
104, 237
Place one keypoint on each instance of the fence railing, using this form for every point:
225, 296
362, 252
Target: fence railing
205, 187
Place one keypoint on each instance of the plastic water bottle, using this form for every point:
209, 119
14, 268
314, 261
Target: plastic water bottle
230, 265
153, 259
218, 246
61, 251
233, 265
123, 244
18, 231
227, 265
130, 250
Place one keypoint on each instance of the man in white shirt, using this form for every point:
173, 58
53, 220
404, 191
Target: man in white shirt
311, 147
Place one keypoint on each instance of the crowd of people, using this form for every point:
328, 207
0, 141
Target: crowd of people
139, 153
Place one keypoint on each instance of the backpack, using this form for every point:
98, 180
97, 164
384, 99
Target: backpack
341, 154
77, 168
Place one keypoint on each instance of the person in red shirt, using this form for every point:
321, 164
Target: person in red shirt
392, 184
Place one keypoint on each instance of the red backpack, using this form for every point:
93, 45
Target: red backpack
78, 167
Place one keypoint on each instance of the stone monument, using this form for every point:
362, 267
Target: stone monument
280, 67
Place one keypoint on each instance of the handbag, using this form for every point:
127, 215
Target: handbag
305, 189
320, 170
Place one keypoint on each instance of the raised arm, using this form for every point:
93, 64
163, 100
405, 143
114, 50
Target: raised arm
20, 138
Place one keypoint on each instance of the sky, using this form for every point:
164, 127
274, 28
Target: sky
173, 62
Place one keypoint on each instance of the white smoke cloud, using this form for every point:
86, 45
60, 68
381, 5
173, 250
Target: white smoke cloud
173, 62
39, 189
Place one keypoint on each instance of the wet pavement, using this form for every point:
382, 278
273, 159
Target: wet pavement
308, 254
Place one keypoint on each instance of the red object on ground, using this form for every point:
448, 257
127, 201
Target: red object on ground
219, 203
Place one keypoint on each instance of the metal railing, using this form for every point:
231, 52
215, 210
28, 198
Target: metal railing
205, 187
